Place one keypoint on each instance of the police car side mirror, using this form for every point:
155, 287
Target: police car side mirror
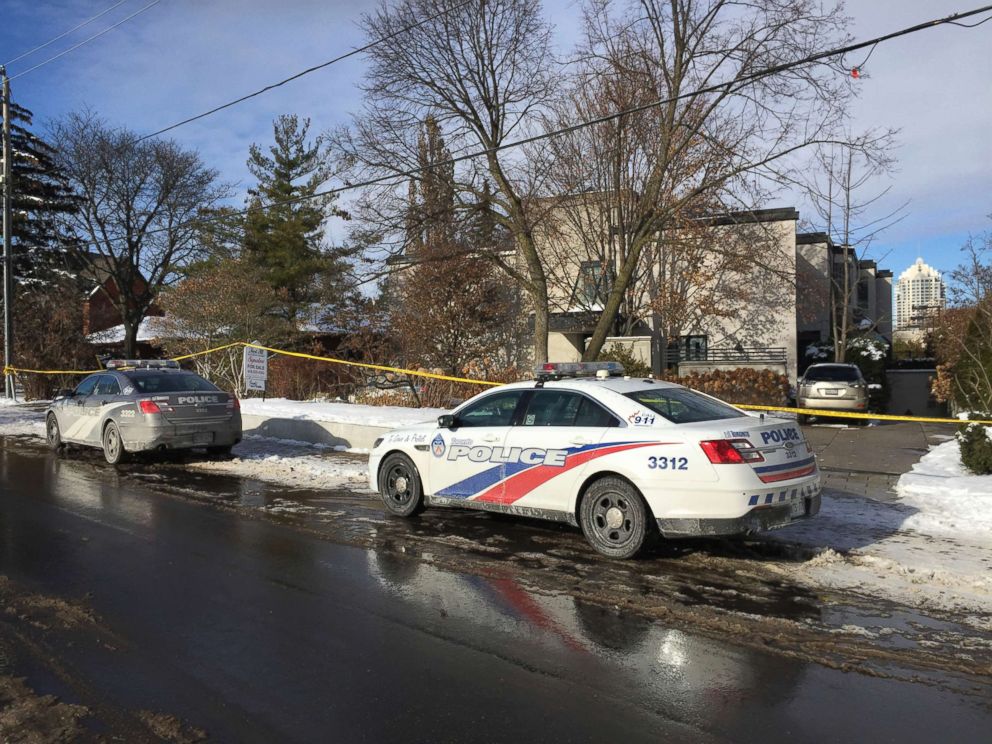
447, 421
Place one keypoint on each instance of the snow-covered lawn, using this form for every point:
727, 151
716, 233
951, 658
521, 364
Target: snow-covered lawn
952, 501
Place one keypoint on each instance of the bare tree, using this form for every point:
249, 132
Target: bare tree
660, 166
138, 202
481, 70
842, 192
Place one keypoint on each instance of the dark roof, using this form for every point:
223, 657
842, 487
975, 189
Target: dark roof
812, 238
867, 264
884, 274
745, 216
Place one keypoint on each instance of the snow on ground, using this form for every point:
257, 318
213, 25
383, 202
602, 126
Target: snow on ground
872, 547
388, 416
290, 463
951, 500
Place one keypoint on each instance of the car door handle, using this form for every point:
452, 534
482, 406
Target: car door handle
580, 441
491, 438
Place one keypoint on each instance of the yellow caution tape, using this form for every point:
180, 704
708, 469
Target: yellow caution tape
448, 378
872, 416
283, 352
11, 370
208, 351
380, 367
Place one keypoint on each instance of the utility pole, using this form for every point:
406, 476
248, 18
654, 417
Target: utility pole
8, 264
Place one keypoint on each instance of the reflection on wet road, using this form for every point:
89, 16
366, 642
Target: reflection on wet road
256, 629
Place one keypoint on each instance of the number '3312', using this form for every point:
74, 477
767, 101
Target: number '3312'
668, 463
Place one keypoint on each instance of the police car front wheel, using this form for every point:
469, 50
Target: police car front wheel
53, 434
614, 518
400, 486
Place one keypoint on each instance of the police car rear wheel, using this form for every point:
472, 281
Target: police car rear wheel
614, 518
400, 487
113, 445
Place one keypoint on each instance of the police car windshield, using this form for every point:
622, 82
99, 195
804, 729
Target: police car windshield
832, 373
171, 383
682, 406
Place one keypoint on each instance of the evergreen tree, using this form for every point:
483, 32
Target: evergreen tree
287, 239
451, 311
40, 195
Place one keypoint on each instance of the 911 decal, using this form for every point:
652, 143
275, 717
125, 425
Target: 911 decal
668, 463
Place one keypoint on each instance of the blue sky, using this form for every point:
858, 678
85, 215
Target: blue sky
183, 56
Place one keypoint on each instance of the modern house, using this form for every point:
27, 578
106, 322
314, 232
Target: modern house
824, 269
719, 293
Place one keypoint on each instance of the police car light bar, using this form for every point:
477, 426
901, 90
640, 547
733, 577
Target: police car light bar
558, 370
142, 364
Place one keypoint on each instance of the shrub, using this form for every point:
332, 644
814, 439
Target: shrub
744, 385
632, 365
976, 446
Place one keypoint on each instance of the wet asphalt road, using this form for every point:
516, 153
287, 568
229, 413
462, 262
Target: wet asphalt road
253, 631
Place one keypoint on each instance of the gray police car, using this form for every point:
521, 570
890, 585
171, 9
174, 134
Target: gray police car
139, 406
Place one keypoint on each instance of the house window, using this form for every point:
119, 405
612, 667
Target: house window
588, 287
863, 294
692, 348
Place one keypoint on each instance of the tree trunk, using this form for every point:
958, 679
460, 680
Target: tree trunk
612, 307
541, 317
131, 337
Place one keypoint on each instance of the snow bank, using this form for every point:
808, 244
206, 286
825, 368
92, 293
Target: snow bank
345, 413
20, 419
951, 500
289, 463
873, 548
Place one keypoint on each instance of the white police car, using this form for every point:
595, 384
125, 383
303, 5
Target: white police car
614, 455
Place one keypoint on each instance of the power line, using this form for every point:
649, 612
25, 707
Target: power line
737, 83
307, 71
86, 41
64, 34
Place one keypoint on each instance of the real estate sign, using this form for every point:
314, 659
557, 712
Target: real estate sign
256, 368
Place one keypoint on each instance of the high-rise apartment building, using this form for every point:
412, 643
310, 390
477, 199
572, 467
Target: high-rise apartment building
919, 295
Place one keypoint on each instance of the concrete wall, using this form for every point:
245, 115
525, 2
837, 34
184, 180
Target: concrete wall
910, 393
333, 434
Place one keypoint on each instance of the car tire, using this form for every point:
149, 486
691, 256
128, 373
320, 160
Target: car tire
614, 518
222, 452
53, 434
802, 419
400, 486
113, 445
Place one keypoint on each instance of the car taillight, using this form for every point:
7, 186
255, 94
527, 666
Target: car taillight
234, 403
149, 406
730, 451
